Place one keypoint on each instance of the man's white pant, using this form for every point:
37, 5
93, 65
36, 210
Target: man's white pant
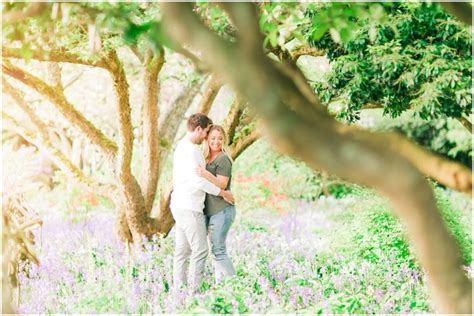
191, 243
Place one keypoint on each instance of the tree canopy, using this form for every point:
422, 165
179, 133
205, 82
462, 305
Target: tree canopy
418, 57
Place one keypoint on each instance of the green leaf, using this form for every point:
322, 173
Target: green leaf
318, 31
133, 32
345, 34
25, 52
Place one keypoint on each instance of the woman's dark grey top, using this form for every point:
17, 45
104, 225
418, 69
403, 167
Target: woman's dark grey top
221, 165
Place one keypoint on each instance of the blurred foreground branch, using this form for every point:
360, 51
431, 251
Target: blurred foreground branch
299, 126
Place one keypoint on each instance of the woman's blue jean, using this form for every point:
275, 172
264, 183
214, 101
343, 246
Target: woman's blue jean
218, 226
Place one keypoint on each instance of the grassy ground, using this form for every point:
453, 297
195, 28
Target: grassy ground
344, 255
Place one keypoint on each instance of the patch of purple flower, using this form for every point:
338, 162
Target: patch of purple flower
284, 264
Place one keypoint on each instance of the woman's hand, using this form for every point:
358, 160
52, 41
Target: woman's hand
228, 196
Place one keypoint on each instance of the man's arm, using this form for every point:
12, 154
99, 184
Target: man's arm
219, 180
210, 188
199, 182
205, 184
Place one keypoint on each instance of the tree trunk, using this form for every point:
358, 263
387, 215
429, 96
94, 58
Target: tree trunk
150, 161
167, 132
210, 94
165, 218
122, 230
131, 195
233, 118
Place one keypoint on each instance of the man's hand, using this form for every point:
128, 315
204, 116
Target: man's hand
228, 196
200, 171
203, 173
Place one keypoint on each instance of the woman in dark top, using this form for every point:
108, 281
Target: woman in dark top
219, 214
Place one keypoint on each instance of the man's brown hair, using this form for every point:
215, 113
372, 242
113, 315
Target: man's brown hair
198, 119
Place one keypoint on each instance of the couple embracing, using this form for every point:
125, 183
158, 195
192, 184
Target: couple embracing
201, 203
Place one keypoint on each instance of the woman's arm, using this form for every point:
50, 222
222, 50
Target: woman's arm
220, 181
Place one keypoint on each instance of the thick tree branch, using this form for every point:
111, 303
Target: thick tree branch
58, 99
289, 95
200, 66
371, 106
466, 123
212, 89
137, 217
233, 118
58, 56
449, 173
279, 52
137, 53
307, 51
461, 10
150, 113
299, 128
284, 54
288, 65
165, 219
457, 176
243, 143
33, 9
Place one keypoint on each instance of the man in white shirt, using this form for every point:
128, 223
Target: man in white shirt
187, 203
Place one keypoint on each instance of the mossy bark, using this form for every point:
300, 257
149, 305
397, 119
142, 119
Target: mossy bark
150, 113
130, 192
209, 95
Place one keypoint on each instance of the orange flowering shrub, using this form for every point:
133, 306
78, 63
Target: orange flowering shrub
263, 192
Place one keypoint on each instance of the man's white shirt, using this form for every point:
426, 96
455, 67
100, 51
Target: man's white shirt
189, 189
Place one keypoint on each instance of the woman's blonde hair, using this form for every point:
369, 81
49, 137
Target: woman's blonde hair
225, 149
